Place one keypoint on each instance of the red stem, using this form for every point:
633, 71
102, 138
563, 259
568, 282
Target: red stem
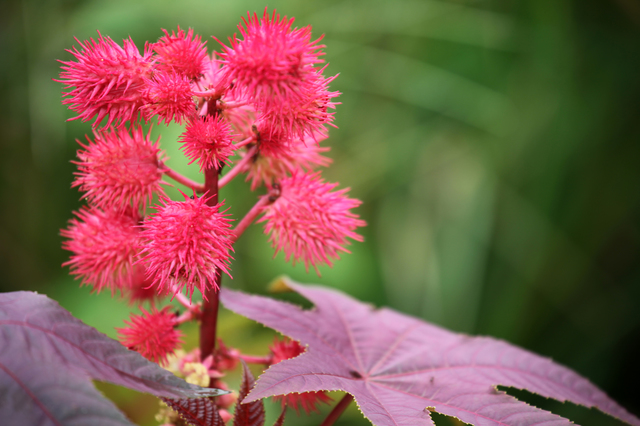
209, 315
186, 316
237, 169
337, 410
184, 180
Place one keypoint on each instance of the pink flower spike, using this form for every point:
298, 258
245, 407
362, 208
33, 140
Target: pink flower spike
104, 247
169, 97
181, 53
310, 223
119, 169
184, 244
152, 334
271, 59
209, 141
287, 349
107, 80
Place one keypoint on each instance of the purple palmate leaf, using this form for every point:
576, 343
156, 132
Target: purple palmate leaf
398, 368
47, 361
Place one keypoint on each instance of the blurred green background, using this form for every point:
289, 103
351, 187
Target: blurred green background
495, 145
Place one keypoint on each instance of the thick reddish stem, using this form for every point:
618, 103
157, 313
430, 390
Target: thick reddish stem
209, 315
237, 169
184, 180
337, 410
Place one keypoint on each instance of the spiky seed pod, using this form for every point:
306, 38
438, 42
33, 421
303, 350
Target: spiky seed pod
304, 114
309, 222
184, 244
104, 247
107, 80
181, 53
272, 60
300, 155
119, 169
287, 349
208, 142
152, 334
169, 97
273, 141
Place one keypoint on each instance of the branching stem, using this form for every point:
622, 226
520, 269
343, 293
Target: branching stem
255, 211
237, 169
337, 410
199, 188
230, 105
187, 316
245, 141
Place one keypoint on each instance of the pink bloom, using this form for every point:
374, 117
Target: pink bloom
104, 247
181, 53
208, 141
309, 222
287, 349
169, 97
303, 114
184, 244
152, 334
119, 169
271, 60
302, 155
107, 80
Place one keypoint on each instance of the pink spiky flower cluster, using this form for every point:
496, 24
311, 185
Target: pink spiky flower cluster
309, 221
152, 334
185, 244
104, 247
119, 169
260, 107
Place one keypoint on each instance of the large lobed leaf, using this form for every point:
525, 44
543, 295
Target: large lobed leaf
47, 361
399, 368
